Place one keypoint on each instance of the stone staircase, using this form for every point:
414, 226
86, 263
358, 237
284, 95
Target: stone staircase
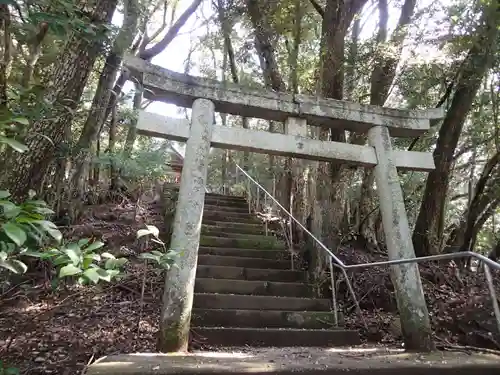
245, 292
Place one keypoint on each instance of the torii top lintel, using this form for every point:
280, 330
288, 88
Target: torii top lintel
181, 89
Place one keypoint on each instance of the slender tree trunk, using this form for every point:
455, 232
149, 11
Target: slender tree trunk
102, 96
150, 53
381, 79
113, 170
479, 59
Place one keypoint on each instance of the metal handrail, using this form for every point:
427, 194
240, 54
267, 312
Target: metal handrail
344, 267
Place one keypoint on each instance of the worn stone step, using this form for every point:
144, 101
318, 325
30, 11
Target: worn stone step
234, 301
241, 273
304, 360
251, 228
224, 196
262, 337
232, 217
269, 242
227, 201
245, 253
221, 231
233, 261
262, 319
256, 287
224, 208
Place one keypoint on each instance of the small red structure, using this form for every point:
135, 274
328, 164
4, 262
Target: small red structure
175, 163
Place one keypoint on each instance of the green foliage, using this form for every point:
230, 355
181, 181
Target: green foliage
80, 259
12, 126
144, 165
7, 370
24, 227
164, 260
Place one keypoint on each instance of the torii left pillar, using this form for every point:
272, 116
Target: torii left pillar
178, 291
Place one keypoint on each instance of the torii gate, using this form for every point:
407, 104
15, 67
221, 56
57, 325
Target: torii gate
206, 96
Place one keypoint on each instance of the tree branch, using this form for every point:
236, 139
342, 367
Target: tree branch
318, 8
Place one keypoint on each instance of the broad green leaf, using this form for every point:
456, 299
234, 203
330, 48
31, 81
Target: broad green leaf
15, 233
150, 256
34, 254
156, 252
83, 242
94, 246
3, 255
51, 229
93, 256
104, 275
10, 210
61, 259
14, 265
92, 275
69, 270
73, 255
107, 256
16, 145
120, 262
4, 194
20, 120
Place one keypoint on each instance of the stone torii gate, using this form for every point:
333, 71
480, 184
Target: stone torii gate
206, 96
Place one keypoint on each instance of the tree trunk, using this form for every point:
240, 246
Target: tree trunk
272, 80
113, 170
95, 119
46, 136
150, 53
426, 233
330, 183
381, 79
485, 194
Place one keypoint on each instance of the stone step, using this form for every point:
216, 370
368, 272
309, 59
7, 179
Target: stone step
242, 273
245, 253
232, 217
234, 301
226, 201
252, 228
233, 261
221, 231
256, 287
305, 361
268, 337
263, 242
226, 197
262, 319
225, 208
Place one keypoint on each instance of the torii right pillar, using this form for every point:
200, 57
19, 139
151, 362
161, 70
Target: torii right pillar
414, 316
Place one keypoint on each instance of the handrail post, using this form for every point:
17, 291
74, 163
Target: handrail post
334, 294
491, 287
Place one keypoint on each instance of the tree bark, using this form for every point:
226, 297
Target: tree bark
95, 118
46, 137
485, 193
426, 235
381, 79
330, 183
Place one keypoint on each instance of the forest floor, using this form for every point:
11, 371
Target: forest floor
43, 331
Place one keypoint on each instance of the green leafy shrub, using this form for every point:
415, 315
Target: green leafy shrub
80, 259
162, 259
23, 227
